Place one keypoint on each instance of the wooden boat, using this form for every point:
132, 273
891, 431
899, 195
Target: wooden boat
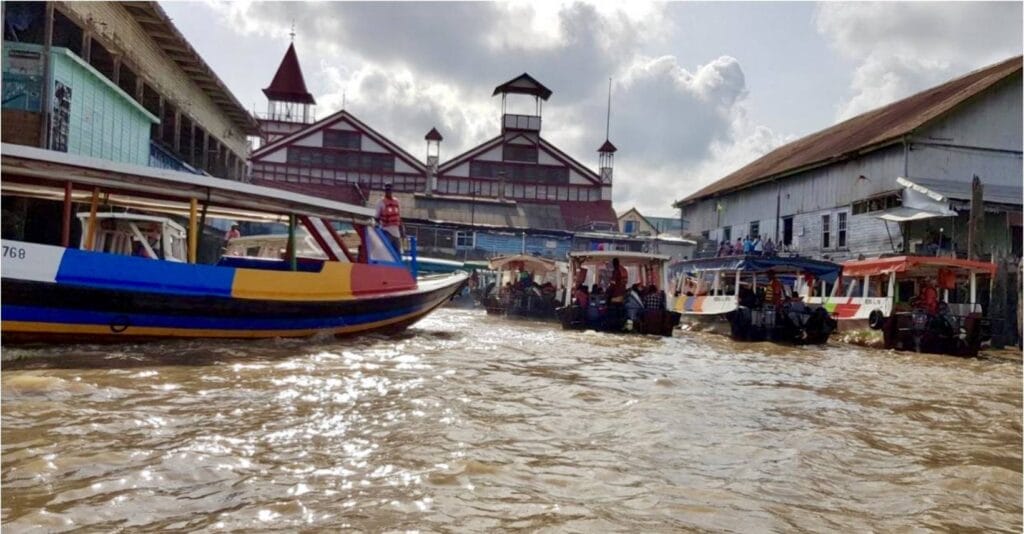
55, 293
590, 268
882, 294
731, 289
526, 286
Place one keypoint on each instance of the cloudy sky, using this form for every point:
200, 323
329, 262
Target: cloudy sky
698, 89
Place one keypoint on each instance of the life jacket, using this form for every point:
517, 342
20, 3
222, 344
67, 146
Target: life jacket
773, 292
389, 216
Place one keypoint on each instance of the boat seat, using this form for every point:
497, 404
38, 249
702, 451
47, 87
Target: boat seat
308, 265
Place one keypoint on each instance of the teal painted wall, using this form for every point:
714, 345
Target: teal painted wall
104, 122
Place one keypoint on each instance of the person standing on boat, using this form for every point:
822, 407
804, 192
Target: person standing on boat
758, 246
773, 291
390, 218
769, 247
748, 245
617, 284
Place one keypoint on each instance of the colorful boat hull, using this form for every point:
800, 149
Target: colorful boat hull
56, 294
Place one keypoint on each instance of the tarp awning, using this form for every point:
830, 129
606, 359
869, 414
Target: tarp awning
919, 202
824, 270
521, 262
900, 264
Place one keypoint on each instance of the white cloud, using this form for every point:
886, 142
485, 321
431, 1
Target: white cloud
903, 47
406, 68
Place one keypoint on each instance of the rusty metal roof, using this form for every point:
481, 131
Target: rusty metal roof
864, 132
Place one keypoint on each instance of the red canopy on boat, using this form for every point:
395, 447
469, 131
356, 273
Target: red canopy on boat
900, 264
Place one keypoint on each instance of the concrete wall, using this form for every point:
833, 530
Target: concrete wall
112, 25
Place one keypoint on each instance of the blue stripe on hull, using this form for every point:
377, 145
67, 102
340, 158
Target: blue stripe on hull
97, 269
67, 316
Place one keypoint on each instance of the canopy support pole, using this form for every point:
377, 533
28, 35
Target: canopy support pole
293, 261
65, 227
193, 225
974, 289
90, 229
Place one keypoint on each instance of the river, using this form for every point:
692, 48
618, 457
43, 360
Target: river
471, 423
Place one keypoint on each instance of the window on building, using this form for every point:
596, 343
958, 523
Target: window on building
519, 153
879, 203
342, 160
519, 172
342, 139
841, 230
755, 229
629, 227
787, 231
465, 240
727, 233
826, 230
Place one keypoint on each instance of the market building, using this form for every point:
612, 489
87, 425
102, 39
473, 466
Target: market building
514, 193
897, 179
117, 81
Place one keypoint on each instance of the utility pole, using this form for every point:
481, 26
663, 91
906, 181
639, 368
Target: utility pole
974, 219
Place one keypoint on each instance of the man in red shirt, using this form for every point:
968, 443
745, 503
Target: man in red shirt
929, 297
617, 285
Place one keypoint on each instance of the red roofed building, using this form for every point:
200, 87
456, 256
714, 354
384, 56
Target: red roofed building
514, 191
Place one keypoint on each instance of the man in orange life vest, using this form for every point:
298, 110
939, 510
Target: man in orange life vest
390, 219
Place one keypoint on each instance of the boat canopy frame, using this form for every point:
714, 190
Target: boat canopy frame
823, 270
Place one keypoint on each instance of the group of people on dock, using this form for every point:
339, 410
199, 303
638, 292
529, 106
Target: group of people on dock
750, 246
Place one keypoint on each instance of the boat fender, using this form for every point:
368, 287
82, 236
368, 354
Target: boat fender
876, 320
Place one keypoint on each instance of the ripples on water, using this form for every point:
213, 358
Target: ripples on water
472, 423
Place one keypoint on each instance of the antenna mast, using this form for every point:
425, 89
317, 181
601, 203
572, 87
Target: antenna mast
608, 119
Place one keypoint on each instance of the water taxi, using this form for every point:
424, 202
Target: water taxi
760, 298
53, 292
892, 294
526, 286
642, 309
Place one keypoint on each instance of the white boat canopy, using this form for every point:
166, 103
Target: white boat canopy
521, 261
35, 172
625, 258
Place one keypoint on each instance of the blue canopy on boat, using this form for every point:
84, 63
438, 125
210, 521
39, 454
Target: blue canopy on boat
824, 270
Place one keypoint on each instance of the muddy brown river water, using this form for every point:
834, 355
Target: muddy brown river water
469, 423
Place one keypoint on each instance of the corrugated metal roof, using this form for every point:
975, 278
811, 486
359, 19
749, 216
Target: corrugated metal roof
864, 132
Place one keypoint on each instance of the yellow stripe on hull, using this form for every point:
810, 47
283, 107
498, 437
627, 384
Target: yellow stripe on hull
333, 282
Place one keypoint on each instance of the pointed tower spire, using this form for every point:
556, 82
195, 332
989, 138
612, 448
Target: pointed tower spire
288, 84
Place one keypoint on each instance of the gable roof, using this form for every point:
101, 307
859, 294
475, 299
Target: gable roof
542, 143
331, 120
524, 84
865, 132
638, 214
288, 84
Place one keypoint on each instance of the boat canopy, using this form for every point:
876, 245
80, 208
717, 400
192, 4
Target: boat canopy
823, 270
35, 172
926, 265
625, 258
521, 262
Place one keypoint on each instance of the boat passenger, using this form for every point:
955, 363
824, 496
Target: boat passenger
634, 303
233, 233
758, 246
738, 247
928, 297
390, 219
748, 245
581, 296
769, 247
617, 285
773, 291
654, 299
